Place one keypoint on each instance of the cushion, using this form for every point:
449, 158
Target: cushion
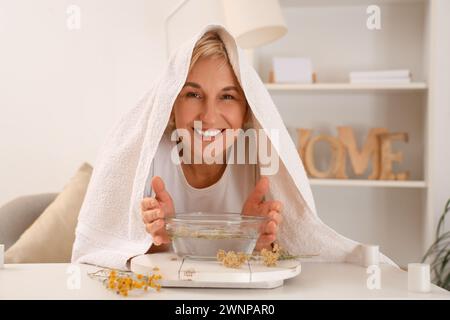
18, 215
50, 238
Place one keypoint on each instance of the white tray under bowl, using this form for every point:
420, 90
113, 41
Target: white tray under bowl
187, 272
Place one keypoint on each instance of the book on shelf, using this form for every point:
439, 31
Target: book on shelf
380, 81
381, 77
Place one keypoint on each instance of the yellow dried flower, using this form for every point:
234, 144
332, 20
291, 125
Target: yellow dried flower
270, 257
221, 255
231, 259
122, 282
157, 277
276, 247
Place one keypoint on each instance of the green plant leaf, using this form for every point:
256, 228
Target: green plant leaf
439, 253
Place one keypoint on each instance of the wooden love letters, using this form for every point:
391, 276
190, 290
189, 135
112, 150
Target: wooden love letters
377, 149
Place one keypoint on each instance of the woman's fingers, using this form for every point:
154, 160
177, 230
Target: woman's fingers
276, 205
268, 230
264, 241
275, 216
162, 195
267, 238
271, 205
258, 193
256, 197
271, 228
161, 238
151, 215
149, 203
158, 231
268, 235
154, 226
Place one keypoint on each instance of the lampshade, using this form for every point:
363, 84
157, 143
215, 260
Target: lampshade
254, 22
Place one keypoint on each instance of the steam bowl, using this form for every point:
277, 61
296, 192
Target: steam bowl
199, 235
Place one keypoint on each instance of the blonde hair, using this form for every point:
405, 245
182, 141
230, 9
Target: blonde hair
209, 45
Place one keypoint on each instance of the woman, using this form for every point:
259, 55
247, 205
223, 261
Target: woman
213, 97
144, 172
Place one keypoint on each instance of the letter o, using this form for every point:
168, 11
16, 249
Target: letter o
337, 156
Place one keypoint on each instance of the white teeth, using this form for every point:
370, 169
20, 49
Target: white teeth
208, 133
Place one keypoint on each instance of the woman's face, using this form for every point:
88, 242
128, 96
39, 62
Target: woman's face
213, 96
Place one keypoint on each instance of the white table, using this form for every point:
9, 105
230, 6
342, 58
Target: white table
316, 281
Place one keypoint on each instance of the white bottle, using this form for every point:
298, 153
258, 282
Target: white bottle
2, 249
419, 277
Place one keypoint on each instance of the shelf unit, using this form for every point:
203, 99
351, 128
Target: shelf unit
414, 86
367, 183
397, 215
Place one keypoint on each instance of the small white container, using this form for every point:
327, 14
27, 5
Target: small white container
370, 255
419, 277
2, 255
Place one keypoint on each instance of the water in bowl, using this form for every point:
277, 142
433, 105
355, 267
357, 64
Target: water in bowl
207, 247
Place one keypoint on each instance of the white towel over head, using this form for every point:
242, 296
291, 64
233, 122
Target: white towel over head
110, 228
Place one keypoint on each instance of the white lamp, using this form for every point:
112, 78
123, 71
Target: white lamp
254, 22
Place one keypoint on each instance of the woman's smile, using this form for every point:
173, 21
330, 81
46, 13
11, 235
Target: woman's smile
208, 134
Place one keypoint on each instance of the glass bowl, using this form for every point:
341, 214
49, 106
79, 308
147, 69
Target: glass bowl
200, 235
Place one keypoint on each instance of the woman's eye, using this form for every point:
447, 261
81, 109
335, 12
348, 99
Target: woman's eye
227, 97
193, 95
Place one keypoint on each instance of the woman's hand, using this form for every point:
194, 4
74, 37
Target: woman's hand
153, 211
256, 206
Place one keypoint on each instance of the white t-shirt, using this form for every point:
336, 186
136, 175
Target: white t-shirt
226, 195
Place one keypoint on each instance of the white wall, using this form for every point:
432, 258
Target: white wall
61, 90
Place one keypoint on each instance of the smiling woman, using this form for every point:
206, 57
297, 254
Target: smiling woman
135, 183
213, 98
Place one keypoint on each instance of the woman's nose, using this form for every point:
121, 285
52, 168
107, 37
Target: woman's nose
209, 113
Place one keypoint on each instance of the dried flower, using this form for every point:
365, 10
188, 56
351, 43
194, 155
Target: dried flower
232, 259
123, 282
270, 258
